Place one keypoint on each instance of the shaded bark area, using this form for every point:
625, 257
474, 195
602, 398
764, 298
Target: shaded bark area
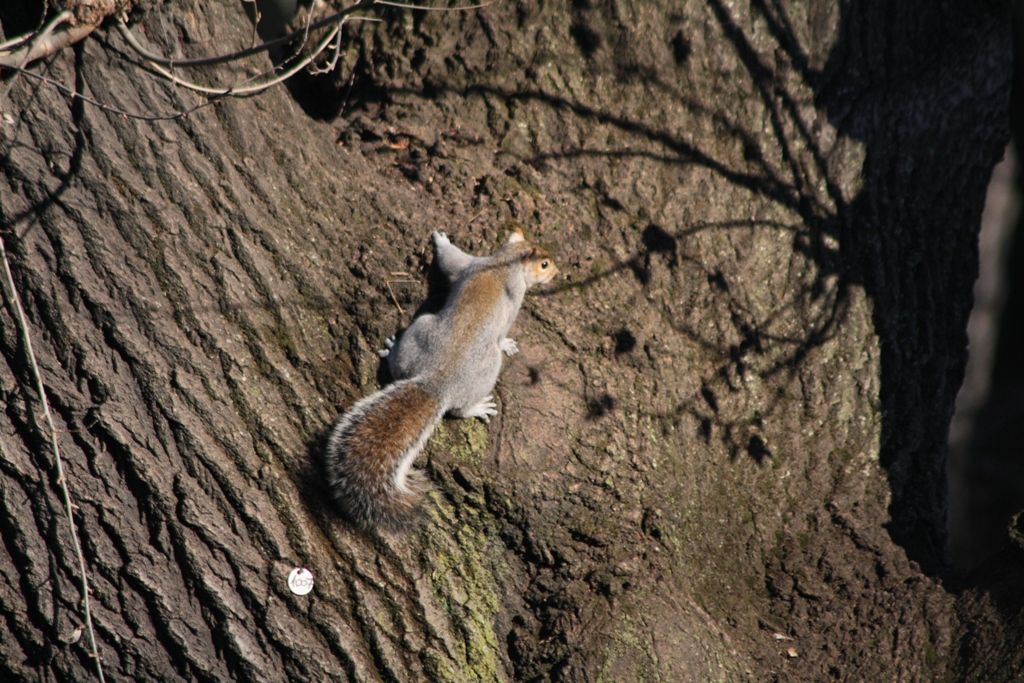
993, 643
724, 437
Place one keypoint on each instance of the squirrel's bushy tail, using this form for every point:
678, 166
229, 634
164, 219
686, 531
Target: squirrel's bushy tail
372, 447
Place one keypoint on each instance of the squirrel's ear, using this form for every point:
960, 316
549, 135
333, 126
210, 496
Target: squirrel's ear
516, 236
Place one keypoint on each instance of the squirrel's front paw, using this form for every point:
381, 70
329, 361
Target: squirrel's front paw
440, 239
509, 346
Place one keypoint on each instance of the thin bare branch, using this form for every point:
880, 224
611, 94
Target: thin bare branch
14, 42
240, 54
333, 62
110, 108
237, 90
46, 41
257, 18
28, 35
62, 481
44, 46
403, 5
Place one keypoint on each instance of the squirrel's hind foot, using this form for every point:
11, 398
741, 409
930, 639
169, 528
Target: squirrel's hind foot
485, 409
389, 344
509, 346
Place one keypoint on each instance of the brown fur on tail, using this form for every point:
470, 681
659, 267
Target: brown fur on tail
371, 450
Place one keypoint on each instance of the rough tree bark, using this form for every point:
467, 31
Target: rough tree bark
723, 442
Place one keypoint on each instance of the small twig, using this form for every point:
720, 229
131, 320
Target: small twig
387, 283
329, 66
403, 279
348, 91
473, 218
389, 3
316, 4
58, 463
257, 17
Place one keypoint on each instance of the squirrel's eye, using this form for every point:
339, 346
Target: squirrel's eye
544, 264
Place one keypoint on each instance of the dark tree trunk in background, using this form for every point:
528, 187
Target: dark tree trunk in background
723, 444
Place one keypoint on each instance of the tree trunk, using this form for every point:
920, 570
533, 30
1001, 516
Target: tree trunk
720, 454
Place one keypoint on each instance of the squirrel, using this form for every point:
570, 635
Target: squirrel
444, 363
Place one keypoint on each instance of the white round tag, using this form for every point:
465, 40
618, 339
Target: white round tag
300, 581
